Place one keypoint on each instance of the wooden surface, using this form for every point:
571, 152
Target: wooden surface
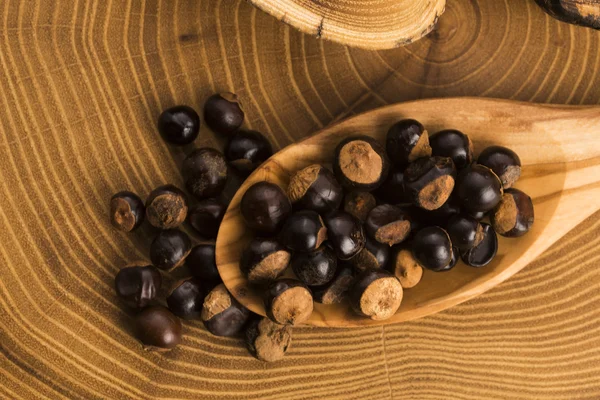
563, 182
579, 12
81, 84
371, 25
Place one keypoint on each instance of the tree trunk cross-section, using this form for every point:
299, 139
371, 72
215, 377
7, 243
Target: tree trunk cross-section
369, 24
82, 83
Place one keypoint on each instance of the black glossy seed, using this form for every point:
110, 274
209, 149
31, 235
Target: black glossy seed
138, 285
265, 207
454, 144
246, 150
179, 125
186, 298
206, 216
223, 113
315, 268
204, 173
482, 254
127, 211
432, 248
202, 264
170, 248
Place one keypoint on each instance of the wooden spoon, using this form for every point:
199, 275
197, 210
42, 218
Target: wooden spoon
559, 147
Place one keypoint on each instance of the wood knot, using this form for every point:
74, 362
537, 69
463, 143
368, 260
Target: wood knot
189, 37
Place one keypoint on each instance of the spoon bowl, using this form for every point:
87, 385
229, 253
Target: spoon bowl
559, 147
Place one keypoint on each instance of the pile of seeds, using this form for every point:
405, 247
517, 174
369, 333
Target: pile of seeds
202, 295
359, 233
366, 230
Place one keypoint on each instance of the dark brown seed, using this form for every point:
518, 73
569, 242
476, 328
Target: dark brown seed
465, 232
345, 234
572, 11
169, 249
158, 329
166, 207
455, 257
186, 298
359, 204
316, 268
392, 191
246, 150
376, 294
206, 216
264, 260
513, 217
406, 268
360, 163
375, 255
222, 314
303, 231
505, 163
266, 340
478, 215
315, 188
138, 285
204, 173
388, 224
453, 261
482, 254
288, 302
337, 290
265, 207
202, 264
432, 248
179, 125
454, 144
429, 181
127, 211
223, 113
478, 189
406, 141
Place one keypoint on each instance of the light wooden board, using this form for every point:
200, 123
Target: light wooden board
81, 84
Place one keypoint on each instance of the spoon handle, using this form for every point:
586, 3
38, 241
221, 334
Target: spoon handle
578, 198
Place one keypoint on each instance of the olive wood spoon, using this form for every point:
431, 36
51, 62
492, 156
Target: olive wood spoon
559, 147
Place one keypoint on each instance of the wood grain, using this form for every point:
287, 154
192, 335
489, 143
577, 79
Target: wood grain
563, 182
81, 84
371, 25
